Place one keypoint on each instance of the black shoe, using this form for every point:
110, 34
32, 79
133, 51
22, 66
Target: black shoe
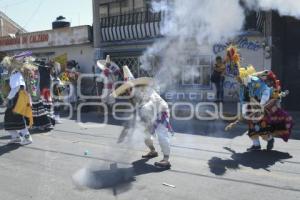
254, 148
151, 154
270, 144
163, 164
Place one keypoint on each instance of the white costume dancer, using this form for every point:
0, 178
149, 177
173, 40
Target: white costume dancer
110, 74
152, 111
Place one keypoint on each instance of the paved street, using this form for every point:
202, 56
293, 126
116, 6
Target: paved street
86, 162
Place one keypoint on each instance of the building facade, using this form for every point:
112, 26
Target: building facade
124, 29
73, 42
8, 26
286, 56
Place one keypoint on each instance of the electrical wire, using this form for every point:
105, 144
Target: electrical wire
34, 13
15, 4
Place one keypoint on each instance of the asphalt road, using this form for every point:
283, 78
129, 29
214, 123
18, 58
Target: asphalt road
84, 161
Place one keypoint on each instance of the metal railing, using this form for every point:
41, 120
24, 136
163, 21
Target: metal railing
132, 26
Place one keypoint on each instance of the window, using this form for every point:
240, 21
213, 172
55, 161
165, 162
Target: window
126, 6
139, 5
114, 9
197, 71
255, 21
123, 7
103, 10
131, 61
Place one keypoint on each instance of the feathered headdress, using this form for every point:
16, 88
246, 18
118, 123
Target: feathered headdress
19, 62
273, 78
244, 72
232, 54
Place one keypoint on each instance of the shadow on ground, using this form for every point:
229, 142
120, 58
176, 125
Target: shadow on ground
213, 128
8, 148
118, 179
32, 132
254, 159
210, 128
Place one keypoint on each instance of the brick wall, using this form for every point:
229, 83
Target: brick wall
8, 28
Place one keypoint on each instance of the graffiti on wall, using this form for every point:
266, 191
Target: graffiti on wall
241, 43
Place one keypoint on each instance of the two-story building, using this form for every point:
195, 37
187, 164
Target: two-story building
286, 56
72, 43
124, 29
7, 27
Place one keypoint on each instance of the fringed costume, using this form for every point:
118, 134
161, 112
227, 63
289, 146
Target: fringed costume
260, 97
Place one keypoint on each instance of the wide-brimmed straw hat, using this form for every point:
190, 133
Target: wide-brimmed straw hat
131, 82
102, 63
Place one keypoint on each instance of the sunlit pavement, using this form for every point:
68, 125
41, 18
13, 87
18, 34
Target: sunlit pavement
211, 165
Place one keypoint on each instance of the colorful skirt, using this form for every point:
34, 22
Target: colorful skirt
261, 128
13, 121
281, 123
41, 115
277, 123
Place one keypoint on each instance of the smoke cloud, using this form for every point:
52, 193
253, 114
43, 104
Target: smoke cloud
186, 26
189, 27
284, 7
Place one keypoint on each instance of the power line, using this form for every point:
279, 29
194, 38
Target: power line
14, 4
34, 13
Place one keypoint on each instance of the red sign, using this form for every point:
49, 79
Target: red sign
9, 41
26, 39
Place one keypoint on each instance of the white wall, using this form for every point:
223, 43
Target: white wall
83, 54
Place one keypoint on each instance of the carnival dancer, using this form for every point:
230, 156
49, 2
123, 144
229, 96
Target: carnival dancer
280, 121
3, 86
152, 111
18, 115
57, 90
72, 74
232, 60
41, 107
260, 96
111, 73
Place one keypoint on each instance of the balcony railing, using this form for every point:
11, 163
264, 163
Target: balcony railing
132, 26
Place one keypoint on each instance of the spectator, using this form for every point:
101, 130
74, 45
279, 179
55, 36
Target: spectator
218, 78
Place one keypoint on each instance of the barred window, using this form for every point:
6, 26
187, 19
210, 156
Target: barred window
255, 21
139, 5
103, 10
114, 9
197, 71
126, 6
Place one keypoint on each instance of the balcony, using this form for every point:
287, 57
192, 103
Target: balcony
132, 26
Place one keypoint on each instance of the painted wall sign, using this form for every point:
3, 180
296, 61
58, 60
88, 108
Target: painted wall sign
26, 39
242, 43
51, 38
